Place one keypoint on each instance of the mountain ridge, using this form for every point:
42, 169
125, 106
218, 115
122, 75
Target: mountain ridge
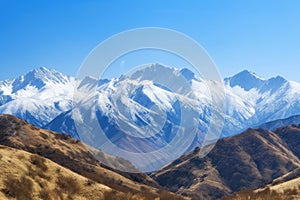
249, 160
149, 102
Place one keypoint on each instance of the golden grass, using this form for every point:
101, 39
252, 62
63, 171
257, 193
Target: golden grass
281, 191
64, 163
24, 175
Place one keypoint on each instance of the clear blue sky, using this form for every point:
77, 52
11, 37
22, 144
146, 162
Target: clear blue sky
262, 36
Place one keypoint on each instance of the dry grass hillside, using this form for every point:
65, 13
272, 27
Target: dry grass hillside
29, 176
281, 188
76, 156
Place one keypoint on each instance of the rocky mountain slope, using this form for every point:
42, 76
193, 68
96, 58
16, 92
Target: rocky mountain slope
249, 160
282, 188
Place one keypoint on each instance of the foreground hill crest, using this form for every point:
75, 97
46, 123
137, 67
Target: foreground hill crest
67, 167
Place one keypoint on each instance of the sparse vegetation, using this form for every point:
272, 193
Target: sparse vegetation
38, 167
36, 178
51, 181
37, 172
34, 128
163, 195
265, 194
68, 185
61, 136
19, 189
20, 156
58, 170
39, 162
90, 182
44, 136
114, 195
42, 183
291, 192
45, 194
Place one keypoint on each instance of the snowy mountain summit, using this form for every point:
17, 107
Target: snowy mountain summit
43, 94
147, 108
249, 80
38, 96
246, 80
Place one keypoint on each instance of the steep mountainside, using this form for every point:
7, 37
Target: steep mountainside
72, 154
282, 188
250, 160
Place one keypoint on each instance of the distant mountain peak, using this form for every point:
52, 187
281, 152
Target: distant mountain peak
246, 80
278, 79
248, 74
157, 72
249, 80
38, 78
41, 69
273, 84
45, 73
151, 72
187, 74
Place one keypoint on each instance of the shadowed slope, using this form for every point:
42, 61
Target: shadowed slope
249, 160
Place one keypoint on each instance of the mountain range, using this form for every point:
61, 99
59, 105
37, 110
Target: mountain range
146, 104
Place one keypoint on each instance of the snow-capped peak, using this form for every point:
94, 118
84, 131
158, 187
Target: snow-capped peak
250, 73
187, 74
38, 78
151, 72
48, 75
38, 96
246, 80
